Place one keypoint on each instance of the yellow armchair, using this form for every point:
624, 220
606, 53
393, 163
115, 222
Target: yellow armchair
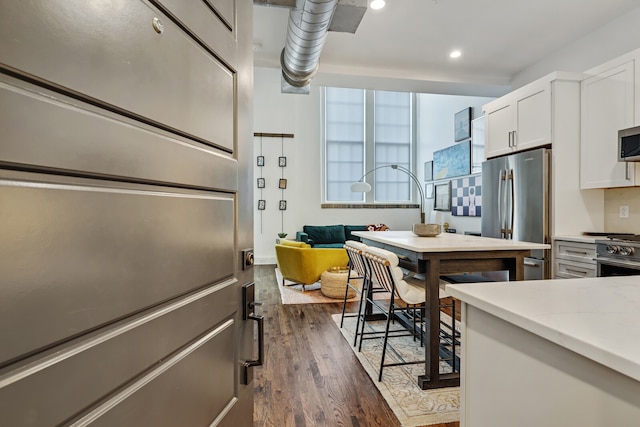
300, 263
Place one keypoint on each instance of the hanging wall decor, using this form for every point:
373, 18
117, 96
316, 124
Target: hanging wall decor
264, 171
466, 196
428, 170
442, 195
462, 124
428, 190
454, 160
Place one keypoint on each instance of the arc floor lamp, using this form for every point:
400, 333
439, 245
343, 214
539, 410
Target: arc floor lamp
362, 186
420, 229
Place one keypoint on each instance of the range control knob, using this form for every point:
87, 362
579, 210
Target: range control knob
626, 250
612, 249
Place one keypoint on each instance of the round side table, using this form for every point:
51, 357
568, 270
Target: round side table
334, 281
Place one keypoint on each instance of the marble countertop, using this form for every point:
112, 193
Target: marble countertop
445, 242
597, 318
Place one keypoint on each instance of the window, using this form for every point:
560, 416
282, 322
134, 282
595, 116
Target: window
344, 143
367, 129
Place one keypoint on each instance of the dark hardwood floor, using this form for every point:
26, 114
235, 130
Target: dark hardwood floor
310, 376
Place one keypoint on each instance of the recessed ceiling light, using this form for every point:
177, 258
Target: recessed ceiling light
455, 54
377, 4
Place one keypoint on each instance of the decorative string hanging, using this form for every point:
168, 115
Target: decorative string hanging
261, 183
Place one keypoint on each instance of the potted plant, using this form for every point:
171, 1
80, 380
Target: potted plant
281, 236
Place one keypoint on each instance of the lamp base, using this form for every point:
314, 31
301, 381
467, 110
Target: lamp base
427, 230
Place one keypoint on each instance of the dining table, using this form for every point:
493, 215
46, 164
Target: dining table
446, 254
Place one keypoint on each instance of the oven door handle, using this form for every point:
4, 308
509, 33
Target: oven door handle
618, 263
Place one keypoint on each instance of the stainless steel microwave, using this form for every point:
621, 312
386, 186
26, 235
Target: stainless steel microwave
629, 145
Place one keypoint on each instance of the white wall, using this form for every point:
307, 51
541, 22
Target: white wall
435, 116
603, 44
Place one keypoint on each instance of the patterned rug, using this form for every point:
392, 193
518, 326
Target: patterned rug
292, 293
399, 386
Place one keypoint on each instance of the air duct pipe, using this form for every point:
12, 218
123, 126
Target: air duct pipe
306, 34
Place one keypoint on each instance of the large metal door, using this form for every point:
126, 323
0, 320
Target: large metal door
125, 213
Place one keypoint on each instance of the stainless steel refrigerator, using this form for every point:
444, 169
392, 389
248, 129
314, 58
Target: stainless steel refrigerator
515, 203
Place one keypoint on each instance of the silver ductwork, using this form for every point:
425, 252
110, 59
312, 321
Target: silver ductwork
306, 33
309, 22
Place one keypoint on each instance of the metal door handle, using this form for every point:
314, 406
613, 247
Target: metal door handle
260, 359
511, 204
626, 170
577, 272
248, 305
500, 203
531, 264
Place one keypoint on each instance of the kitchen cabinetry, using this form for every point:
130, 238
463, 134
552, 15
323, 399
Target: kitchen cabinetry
519, 120
609, 103
542, 113
571, 338
573, 259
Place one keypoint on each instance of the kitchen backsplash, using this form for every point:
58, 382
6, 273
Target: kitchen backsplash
613, 199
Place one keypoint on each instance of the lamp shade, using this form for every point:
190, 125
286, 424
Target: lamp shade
360, 187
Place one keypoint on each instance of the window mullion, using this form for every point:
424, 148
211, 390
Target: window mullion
369, 141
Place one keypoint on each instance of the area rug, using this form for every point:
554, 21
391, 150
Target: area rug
399, 386
292, 293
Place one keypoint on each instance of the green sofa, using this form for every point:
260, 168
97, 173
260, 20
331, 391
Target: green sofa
329, 236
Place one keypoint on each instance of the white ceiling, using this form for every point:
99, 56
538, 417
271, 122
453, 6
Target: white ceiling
411, 39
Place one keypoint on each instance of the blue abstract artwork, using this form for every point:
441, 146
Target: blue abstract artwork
452, 161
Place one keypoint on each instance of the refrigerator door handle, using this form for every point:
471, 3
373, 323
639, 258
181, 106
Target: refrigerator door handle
501, 215
511, 205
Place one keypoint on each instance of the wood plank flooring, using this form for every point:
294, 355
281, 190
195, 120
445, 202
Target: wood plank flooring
310, 376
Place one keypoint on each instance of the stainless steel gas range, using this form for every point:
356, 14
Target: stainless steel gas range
618, 255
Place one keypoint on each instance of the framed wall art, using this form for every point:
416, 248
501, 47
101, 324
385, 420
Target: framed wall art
260, 161
283, 205
261, 183
462, 124
282, 162
466, 196
428, 171
262, 204
428, 190
442, 196
454, 160
282, 183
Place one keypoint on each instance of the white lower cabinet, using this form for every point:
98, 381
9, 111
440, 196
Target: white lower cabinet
573, 259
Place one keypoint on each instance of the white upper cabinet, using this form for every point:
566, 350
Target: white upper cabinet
608, 104
519, 120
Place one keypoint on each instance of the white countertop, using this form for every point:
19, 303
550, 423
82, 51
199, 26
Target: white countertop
598, 318
445, 242
580, 239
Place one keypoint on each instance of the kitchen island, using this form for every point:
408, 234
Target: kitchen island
448, 253
550, 352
